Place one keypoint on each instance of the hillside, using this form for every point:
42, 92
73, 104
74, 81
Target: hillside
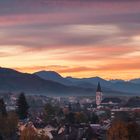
55, 84
131, 87
53, 76
14, 81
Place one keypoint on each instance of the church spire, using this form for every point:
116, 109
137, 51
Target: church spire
99, 88
99, 95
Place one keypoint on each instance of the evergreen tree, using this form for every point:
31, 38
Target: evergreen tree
3, 111
50, 112
70, 118
94, 118
22, 107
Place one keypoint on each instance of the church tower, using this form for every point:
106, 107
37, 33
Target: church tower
98, 95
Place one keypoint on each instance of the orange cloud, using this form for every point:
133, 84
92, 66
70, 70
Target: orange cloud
99, 39
112, 71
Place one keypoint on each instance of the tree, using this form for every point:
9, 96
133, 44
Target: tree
3, 108
133, 131
29, 133
49, 112
80, 117
8, 126
121, 130
94, 118
53, 114
118, 131
22, 107
70, 118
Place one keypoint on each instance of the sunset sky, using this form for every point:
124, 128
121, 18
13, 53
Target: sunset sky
79, 38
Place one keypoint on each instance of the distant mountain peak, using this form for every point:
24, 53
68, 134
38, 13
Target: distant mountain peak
116, 80
4, 70
48, 73
52, 82
53, 76
135, 81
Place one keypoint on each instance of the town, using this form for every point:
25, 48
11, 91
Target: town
39, 117
69, 69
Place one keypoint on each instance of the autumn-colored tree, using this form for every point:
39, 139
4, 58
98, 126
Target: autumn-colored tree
121, 130
8, 126
118, 131
51, 112
43, 137
80, 117
29, 133
133, 131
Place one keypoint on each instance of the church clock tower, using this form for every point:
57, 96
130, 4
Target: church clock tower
98, 95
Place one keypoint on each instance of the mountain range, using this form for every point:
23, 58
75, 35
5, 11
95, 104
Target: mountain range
51, 83
128, 87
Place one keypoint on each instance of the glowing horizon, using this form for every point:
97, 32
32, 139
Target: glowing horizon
74, 38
